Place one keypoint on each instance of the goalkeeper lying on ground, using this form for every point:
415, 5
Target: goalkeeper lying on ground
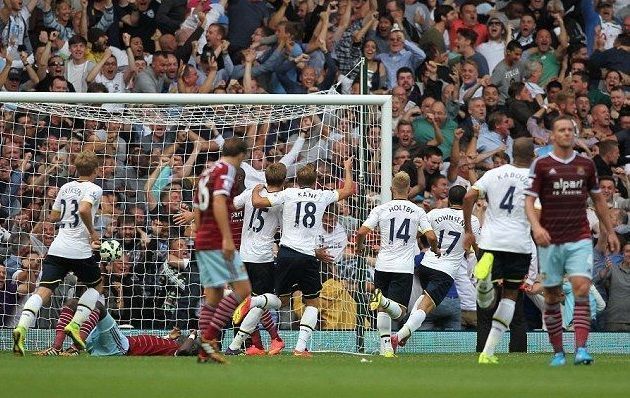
106, 339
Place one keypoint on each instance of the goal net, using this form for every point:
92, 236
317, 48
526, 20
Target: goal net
152, 149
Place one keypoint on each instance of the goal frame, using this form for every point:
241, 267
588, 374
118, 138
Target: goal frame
383, 101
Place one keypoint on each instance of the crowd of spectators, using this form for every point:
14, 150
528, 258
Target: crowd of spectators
466, 78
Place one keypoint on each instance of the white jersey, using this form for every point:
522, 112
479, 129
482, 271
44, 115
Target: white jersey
73, 239
334, 242
259, 228
399, 222
505, 226
448, 225
254, 177
302, 212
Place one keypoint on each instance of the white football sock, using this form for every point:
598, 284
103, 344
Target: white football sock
500, 323
87, 302
307, 325
247, 327
392, 308
266, 301
237, 341
485, 293
251, 319
384, 326
413, 323
30, 311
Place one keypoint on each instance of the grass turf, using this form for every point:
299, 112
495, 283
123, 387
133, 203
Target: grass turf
448, 375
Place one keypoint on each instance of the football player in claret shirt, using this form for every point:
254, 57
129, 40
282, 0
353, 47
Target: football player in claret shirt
217, 237
104, 338
74, 209
562, 181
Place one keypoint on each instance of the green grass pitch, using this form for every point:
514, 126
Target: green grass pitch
324, 375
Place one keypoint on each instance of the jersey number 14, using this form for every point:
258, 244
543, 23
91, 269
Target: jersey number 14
401, 233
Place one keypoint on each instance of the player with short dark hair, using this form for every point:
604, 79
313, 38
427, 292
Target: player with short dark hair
217, 238
562, 181
71, 251
437, 270
505, 241
104, 338
107, 340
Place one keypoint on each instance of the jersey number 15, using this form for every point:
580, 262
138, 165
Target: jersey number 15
257, 214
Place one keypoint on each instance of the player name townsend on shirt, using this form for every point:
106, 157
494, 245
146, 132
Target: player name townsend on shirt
563, 186
302, 212
448, 225
73, 239
259, 229
505, 227
399, 222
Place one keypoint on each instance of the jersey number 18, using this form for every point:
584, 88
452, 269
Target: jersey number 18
308, 220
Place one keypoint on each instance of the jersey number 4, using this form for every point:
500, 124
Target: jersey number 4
74, 212
401, 233
507, 203
257, 214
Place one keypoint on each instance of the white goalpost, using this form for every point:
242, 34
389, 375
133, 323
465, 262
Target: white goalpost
152, 148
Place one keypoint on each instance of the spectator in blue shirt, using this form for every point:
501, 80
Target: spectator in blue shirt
496, 139
402, 53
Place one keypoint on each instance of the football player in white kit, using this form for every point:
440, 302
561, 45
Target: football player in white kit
436, 273
71, 250
399, 222
257, 239
302, 212
505, 240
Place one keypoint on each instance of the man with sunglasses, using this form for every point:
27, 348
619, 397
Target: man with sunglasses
56, 68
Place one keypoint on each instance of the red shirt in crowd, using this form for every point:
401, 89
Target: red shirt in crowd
480, 29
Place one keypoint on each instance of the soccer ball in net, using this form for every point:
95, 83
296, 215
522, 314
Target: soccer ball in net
111, 250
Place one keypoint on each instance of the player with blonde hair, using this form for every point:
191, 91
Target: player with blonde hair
399, 221
71, 251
